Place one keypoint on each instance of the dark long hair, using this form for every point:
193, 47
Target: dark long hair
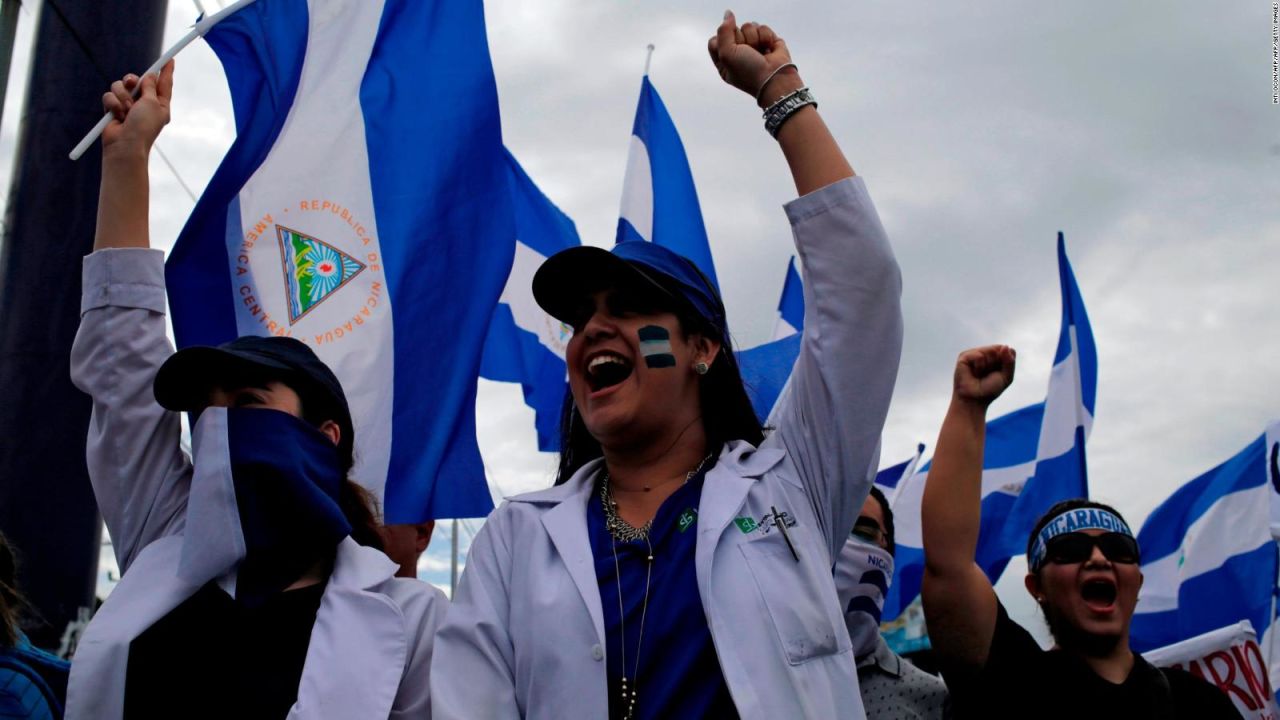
727, 413
12, 604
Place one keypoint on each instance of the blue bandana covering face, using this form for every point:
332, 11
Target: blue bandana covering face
1090, 518
287, 480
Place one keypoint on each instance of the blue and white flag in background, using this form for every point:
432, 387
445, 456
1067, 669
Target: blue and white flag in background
766, 368
364, 209
525, 344
1033, 458
1209, 552
790, 305
659, 200
889, 480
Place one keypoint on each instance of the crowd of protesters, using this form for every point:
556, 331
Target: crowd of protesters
688, 561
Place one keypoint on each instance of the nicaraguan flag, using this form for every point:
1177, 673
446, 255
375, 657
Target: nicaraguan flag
525, 344
791, 305
1033, 458
1209, 552
890, 479
766, 368
364, 209
659, 201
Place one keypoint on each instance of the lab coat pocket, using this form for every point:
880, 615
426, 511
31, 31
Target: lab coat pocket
793, 595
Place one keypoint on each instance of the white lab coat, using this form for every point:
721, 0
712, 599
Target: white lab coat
371, 643
524, 636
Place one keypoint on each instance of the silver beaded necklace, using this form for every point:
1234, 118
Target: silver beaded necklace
621, 530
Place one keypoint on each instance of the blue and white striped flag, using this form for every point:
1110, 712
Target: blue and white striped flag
364, 209
890, 479
1033, 458
1209, 552
766, 368
659, 200
791, 305
525, 344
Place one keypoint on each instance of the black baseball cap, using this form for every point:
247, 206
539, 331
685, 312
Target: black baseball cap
186, 378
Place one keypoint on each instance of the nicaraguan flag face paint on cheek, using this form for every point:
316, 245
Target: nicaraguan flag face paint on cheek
655, 346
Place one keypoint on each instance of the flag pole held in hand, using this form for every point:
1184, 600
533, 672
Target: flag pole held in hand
198, 30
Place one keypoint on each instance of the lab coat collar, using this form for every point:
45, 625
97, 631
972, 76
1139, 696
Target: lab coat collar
738, 458
566, 525
739, 467
886, 660
364, 659
740, 464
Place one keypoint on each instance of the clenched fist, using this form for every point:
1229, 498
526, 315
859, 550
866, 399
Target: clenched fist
982, 374
746, 56
137, 122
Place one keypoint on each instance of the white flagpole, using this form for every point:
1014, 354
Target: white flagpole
1271, 644
198, 30
648, 58
907, 473
453, 577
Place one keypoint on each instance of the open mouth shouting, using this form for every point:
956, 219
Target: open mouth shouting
1099, 594
605, 369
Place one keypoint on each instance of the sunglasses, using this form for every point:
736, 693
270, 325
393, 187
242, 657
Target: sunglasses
1076, 547
868, 529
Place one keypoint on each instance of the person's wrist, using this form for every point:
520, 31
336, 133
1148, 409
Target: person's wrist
779, 86
126, 150
972, 407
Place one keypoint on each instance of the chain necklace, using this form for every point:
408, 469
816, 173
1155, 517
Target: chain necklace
629, 688
621, 530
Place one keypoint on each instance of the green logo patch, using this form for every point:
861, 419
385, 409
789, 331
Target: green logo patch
745, 524
687, 518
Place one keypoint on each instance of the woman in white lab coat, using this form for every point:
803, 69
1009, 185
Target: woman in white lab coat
681, 565
248, 587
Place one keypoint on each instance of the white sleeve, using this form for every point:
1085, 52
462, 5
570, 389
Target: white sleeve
140, 476
831, 414
473, 676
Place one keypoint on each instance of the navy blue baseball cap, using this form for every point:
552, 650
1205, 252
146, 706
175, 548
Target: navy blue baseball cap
186, 378
570, 275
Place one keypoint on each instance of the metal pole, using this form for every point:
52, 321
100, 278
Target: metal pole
47, 508
8, 29
453, 564
647, 58
1271, 626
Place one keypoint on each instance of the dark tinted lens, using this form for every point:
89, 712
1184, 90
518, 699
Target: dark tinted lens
627, 300
1069, 548
868, 529
1077, 547
1118, 548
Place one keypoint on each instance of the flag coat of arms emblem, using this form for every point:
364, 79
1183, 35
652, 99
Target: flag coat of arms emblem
313, 270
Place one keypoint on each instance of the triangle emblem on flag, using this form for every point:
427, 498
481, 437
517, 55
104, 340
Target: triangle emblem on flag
313, 270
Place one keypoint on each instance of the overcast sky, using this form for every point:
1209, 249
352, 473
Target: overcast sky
1143, 130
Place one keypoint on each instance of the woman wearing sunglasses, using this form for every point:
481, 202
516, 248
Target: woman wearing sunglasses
681, 565
1082, 562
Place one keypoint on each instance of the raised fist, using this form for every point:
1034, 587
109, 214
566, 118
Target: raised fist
746, 56
982, 374
138, 122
